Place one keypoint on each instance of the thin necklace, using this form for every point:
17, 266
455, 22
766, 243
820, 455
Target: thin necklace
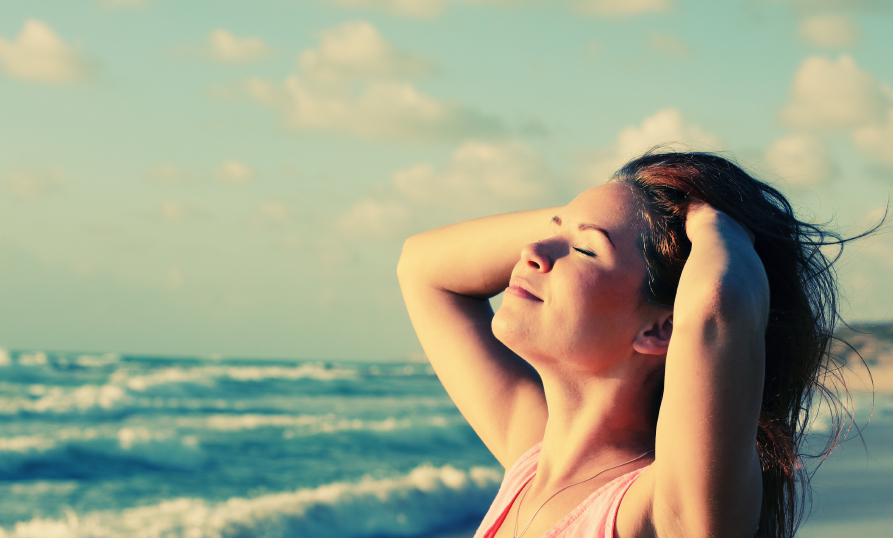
516, 534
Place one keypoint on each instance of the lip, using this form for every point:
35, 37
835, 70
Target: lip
521, 288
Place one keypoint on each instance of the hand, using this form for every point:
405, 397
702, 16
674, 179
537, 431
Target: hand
702, 215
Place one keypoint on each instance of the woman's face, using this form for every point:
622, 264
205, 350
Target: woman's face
575, 295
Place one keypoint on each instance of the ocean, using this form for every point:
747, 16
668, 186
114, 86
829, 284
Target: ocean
132, 446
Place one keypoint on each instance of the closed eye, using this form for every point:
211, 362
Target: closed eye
585, 252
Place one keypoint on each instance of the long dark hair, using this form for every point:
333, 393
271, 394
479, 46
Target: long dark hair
802, 306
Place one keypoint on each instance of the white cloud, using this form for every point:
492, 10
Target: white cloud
293, 242
355, 50
881, 252
123, 3
830, 95
271, 214
839, 95
227, 48
372, 219
666, 127
33, 183
622, 8
275, 211
813, 6
801, 160
234, 172
830, 31
265, 93
592, 51
876, 140
668, 45
167, 172
173, 211
480, 176
410, 8
393, 110
413, 8
225, 92
175, 278
39, 55
347, 85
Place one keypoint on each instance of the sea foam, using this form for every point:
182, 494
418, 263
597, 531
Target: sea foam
70, 452
426, 500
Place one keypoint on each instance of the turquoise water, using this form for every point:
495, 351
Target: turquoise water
108, 446
140, 446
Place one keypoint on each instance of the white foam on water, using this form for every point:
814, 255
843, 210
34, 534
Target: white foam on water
65, 400
38, 358
67, 447
412, 369
125, 390
25, 443
426, 500
208, 375
93, 361
312, 424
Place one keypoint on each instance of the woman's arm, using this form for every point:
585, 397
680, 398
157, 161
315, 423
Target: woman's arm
707, 478
447, 276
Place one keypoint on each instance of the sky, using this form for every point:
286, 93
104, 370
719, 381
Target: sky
234, 178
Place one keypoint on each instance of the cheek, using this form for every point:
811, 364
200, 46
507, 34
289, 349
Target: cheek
606, 304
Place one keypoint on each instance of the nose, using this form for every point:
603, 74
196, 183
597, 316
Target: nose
537, 256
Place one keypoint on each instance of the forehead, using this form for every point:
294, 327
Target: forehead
614, 206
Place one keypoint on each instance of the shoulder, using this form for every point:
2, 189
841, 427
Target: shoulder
525, 465
515, 478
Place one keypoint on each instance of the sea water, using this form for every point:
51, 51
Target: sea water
109, 446
126, 446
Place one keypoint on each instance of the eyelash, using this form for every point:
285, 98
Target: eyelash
585, 252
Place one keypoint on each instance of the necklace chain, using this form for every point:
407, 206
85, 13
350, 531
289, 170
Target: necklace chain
516, 534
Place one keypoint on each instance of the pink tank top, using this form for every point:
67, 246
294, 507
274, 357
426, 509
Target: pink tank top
593, 518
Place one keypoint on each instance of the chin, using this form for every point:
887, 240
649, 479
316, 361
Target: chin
500, 326
510, 332
505, 329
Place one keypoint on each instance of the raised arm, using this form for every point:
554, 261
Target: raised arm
707, 478
447, 276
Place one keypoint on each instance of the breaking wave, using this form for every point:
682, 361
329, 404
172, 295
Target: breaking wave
72, 452
424, 501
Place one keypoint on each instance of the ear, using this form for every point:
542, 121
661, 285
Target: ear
654, 338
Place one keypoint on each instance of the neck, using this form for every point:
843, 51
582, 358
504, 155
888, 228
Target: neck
595, 422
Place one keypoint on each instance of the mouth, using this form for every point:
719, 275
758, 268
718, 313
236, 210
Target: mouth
521, 288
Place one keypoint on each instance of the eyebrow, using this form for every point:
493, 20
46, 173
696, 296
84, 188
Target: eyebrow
588, 226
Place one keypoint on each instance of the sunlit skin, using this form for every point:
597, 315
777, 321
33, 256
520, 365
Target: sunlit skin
594, 353
588, 284
591, 338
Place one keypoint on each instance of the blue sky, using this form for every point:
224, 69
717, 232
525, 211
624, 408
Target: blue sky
237, 177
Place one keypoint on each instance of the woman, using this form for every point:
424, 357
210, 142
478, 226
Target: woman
639, 379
